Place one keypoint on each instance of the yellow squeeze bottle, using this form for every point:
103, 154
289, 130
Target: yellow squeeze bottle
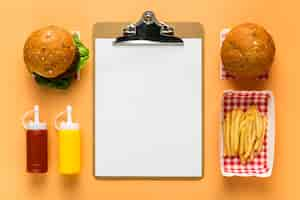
69, 144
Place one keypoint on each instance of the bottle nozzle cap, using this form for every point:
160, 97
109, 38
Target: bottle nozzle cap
35, 124
69, 124
36, 114
69, 114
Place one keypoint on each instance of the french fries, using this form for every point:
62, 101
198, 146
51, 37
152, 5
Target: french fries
244, 133
232, 131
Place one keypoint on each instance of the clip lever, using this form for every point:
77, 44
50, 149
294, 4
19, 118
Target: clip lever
148, 31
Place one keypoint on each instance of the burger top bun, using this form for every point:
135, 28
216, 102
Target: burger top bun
49, 52
247, 51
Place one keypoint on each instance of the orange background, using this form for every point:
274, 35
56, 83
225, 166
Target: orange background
20, 93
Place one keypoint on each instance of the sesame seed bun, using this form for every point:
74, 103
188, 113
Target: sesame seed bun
49, 52
248, 51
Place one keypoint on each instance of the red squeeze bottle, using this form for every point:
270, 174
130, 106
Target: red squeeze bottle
36, 143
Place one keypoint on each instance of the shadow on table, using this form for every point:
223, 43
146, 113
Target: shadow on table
38, 179
69, 181
251, 184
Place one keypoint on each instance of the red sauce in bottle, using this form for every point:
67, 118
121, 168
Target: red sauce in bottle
36, 143
37, 151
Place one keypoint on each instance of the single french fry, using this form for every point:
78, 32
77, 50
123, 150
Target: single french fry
225, 151
255, 125
228, 133
246, 133
251, 112
259, 124
250, 141
260, 144
237, 131
259, 132
253, 131
246, 138
243, 127
252, 155
225, 135
243, 121
245, 143
257, 144
241, 147
232, 131
263, 134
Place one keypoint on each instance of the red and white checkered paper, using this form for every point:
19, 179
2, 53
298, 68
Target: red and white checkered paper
243, 100
224, 75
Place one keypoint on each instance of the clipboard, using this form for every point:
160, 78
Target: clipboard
148, 97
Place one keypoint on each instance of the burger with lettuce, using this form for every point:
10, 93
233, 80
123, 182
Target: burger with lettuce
54, 56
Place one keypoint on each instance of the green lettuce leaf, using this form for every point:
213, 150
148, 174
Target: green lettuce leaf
84, 53
62, 83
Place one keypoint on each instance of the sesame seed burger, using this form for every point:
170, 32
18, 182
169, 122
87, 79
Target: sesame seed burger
54, 56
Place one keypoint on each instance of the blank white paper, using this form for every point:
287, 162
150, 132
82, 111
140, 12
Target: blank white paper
148, 110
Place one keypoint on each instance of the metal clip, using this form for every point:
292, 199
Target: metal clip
150, 30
